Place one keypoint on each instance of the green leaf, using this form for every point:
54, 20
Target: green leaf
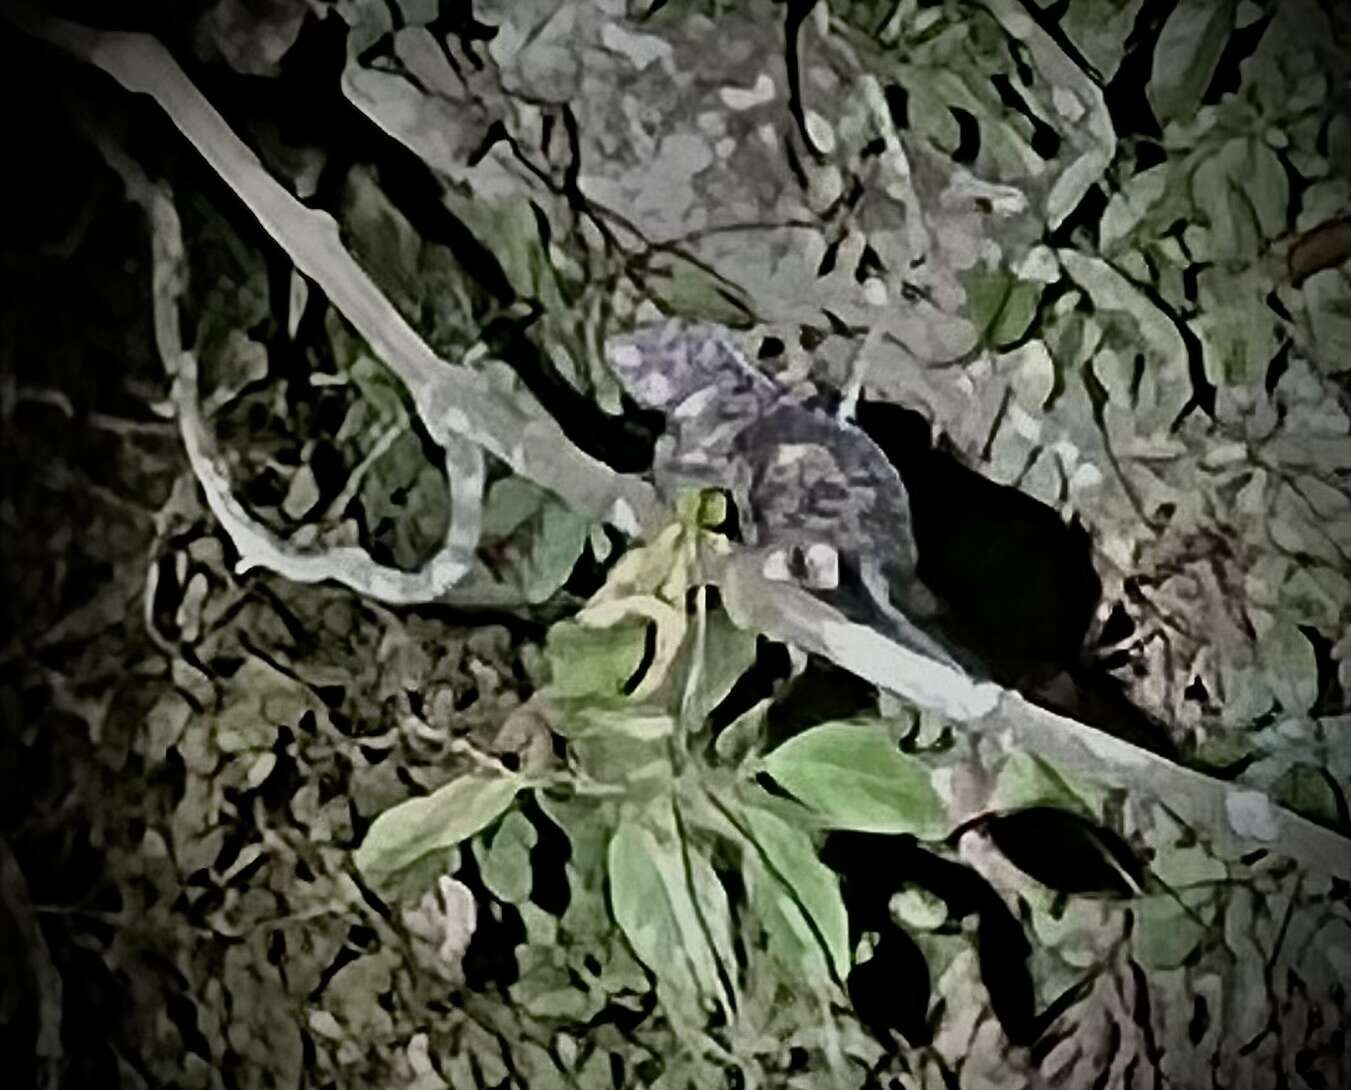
546, 991
855, 778
1267, 187
1242, 191
667, 622
714, 911
999, 304
1290, 667
587, 822
405, 833
1186, 55
787, 874
513, 232
1101, 29
1327, 301
1020, 307
651, 901
505, 863
688, 288
1165, 933
1222, 750
1307, 789
1127, 207
589, 662
1238, 336
625, 746
1183, 868
533, 537
1026, 780
728, 653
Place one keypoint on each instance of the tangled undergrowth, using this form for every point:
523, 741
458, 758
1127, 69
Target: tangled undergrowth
573, 822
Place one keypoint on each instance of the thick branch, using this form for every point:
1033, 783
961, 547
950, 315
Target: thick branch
258, 546
448, 399
1236, 820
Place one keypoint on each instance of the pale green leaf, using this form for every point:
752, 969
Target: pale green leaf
1026, 780
1101, 28
1290, 667
1186, 54
1327, 298
587, 662
622, 746
533, 539
1129, 206
1165, 933
855, 778
715, 913
405, 833
668, 622
691, 289
728, 653
651, 901
1308, 790
1268, 188
787, 864
505, 863
1183, 868
1219, 187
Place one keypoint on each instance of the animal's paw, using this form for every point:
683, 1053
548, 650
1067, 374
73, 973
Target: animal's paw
822, 566
816, 567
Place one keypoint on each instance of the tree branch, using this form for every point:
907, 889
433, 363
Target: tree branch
449, 400
1236, 819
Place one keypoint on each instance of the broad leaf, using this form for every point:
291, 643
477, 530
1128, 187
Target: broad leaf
670, 625
728, 652
403, 834
1185, 57
622, 746
855, 778
1327, 301
787, 874
593, 663
999, 304
1026, 780
1290, 667
1165, 932
651, 901
505, 863
531, 541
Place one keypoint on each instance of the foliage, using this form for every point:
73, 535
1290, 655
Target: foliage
1089, 227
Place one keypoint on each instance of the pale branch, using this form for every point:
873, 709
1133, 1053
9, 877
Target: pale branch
452, 400
257, 545
1235, 819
